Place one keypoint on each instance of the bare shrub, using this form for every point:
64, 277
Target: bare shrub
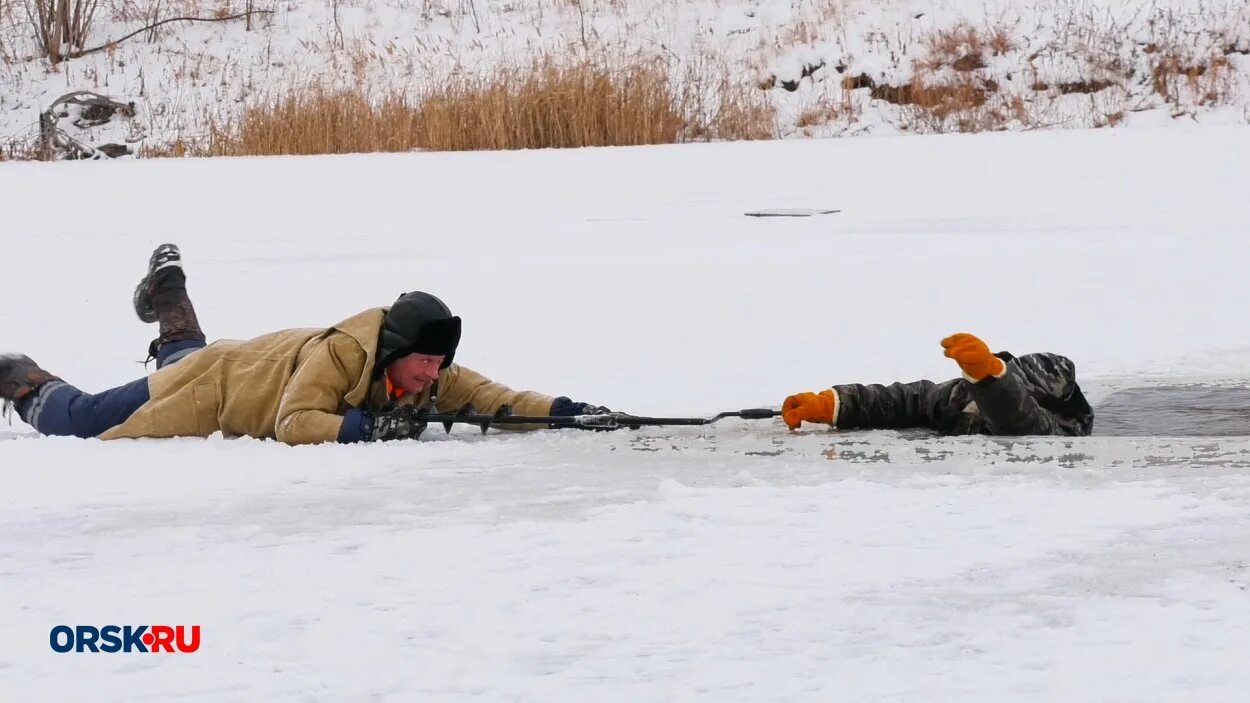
61, 26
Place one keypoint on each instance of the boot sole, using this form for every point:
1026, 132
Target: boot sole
143, 305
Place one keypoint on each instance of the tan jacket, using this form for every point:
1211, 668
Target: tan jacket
295, 386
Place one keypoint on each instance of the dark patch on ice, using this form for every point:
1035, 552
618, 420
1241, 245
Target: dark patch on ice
1174, 411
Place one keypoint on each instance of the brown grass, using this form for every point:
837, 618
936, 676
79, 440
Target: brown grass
546, 105
931, 93
312, 121
550, 105
960, 47
949, 91
967, 103
744, 117
819, 20
1000, 41
1180, 80
842, 111
718, 104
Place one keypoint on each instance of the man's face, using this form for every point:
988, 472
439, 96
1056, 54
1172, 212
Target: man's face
415, 372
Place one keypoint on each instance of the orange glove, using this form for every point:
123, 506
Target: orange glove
973, 356
810, 407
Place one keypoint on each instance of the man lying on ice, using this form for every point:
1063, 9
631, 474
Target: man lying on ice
1035, 394
359, 380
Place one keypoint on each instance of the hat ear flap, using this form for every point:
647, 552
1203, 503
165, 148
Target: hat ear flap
455, 342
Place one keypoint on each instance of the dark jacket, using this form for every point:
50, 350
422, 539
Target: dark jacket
1038, 395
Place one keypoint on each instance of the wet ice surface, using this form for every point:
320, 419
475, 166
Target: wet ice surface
1175, 411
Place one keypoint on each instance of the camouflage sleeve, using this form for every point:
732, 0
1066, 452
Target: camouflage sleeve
896, 406
1037, 396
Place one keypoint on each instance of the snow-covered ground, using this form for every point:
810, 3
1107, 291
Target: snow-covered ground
1035, 65
739, 562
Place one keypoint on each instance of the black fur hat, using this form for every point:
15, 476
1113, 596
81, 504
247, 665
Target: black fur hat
417, 323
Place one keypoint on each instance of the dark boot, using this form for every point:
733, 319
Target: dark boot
166, 256
19, 377
162, 297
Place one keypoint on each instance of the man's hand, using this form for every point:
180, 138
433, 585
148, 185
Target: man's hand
564, 407
809, 407
973, 356
400, 423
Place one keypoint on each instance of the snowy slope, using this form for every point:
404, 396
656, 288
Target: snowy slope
735, 563
187, 74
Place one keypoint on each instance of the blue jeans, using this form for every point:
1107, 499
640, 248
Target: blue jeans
61, 409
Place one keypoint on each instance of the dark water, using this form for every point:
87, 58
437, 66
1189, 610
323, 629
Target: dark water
1174, 411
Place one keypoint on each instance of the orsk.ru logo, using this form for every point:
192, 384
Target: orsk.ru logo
111, 639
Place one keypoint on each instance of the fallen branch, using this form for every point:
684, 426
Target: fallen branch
150, 27
54, 142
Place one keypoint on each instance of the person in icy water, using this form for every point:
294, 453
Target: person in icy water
359, 380
999, 394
